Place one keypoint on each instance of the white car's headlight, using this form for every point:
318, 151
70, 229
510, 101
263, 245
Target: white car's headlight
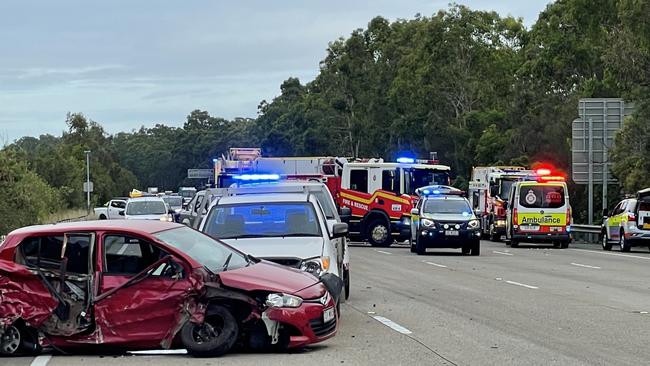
316, 266
283, 301
473, 224
428, 223
167, 218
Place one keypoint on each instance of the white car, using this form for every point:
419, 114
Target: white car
147, 208
286, 228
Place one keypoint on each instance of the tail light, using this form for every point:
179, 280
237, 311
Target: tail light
568, 216
515, 219
631, 216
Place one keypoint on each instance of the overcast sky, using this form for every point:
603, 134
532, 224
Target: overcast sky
130, 63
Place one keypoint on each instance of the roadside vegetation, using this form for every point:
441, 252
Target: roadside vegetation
474, 86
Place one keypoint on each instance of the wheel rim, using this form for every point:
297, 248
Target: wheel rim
604, 240
10, 340
208, 331
620, 241
379, 233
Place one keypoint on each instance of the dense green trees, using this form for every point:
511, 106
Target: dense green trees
474, 86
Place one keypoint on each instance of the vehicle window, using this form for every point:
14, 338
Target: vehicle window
531, 196
173, 201
211, 253
390, 181
325, 200
45, 253
197, 204
418, 178
359, 180
127, 255
504, 188
446, 206
475, 199
146, 208
273, 219
618, 209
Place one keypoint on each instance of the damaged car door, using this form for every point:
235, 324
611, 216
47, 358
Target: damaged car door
142, 292
63, 265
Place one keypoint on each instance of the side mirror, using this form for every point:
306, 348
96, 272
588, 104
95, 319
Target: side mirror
121, 213
339, 230
415, 212
171, 211
605, 212
345, 213
478, 213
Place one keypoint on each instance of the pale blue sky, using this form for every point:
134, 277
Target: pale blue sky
129, 63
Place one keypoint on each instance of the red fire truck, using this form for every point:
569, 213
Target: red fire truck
379, 194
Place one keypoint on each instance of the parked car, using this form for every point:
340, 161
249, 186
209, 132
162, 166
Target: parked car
286, 228
443, 218
147, 208
61, 285
628, 224
175, 204
194, 211
187, 193
111, 209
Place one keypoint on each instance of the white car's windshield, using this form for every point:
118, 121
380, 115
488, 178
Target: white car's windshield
146, 208
212, 254
174, 201
276, 219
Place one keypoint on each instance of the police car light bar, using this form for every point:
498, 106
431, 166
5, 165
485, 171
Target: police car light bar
439, 190
543, 171
405, 160
551, 178
256, 177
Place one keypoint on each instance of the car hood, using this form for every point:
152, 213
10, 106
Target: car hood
294, 247
267, 276
448, 217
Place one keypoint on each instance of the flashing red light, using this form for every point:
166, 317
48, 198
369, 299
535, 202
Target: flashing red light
543, 171
551, 178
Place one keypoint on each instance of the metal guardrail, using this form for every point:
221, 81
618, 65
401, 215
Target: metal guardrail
586, 233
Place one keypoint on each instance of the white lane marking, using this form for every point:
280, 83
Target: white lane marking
41, 360
615, 254
504, 253
584, 265
522, 285
435, 264
160, 352
382, 252
391, 324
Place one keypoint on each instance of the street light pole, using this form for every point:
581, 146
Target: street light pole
88, 180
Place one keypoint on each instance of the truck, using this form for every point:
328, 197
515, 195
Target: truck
112, 210
379, 194
489, 189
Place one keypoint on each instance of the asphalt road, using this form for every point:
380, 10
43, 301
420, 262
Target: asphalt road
520, 306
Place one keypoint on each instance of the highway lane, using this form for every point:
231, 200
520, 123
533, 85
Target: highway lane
510, 306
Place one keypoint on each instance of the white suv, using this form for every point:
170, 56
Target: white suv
287, 228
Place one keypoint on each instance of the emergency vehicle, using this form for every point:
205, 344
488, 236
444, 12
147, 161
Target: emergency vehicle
489, 189
379, 194
539, 211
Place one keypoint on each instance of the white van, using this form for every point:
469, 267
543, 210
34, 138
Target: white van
539, 212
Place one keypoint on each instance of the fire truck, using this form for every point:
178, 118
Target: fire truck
379, 194
489, 189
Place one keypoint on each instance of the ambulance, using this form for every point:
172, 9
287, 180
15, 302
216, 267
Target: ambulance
538, 211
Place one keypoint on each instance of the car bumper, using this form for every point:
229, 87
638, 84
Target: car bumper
305, 323
437, 238
638, 237
542, 237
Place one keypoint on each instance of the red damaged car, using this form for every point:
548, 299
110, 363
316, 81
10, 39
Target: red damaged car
129, 285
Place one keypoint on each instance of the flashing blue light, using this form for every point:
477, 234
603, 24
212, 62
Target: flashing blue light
436, 192
405, 160
426, 192
257, 177
465, 213
568, 228
215, 160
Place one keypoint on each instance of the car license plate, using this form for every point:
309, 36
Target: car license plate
529, 227
451, 233
328, 315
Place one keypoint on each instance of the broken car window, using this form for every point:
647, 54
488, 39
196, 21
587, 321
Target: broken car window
45, 252
126, 255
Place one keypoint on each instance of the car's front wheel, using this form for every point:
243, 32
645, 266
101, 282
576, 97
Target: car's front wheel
18, 340
215, 337
420, 248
